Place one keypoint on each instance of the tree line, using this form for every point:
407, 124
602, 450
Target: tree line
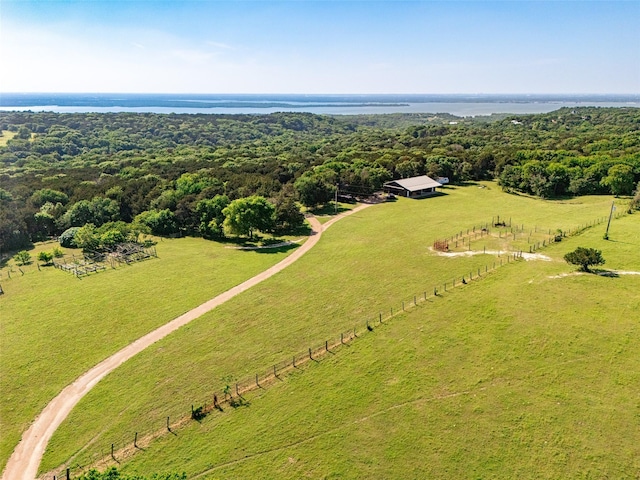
176, 173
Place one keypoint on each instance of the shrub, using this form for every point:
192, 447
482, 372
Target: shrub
45, 257
67, 239
114, 474
22, 258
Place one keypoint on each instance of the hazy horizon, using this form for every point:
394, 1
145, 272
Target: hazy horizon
332, 104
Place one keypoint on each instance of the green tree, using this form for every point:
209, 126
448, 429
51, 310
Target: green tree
104, 210
22, 257
246, 215
86, 237
619, 179
79, 214
288, 215
559, 178
209, 212
45, 257
45, 223
98, 211
161, 222
511, 178
194, 183
112, 237
23, 133
314, 190
40, 197
408, 168
585, 258
5, 196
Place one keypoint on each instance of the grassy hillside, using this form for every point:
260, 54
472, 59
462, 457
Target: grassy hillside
55, 326
517, 376
363, 265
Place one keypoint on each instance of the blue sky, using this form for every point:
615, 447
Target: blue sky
325, 46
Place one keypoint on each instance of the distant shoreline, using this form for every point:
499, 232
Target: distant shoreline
458, 105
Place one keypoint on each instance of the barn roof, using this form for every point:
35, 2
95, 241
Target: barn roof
414, 183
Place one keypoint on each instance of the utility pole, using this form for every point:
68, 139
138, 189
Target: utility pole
335, 203
613, 207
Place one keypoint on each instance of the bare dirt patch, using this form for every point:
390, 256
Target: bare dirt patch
497, 253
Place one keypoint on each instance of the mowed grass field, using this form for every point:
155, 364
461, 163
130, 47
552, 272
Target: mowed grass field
519, 375
54, 326
363, 264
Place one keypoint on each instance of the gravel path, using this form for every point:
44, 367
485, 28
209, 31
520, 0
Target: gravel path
25, 459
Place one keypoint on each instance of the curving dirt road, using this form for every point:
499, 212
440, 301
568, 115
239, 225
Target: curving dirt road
25, 459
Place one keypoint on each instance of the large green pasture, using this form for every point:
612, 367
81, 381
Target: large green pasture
517, 376
364, 264
55, 326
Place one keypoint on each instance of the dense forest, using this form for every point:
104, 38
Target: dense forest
176, 173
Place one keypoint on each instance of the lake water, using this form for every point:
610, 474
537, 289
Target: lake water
459, 105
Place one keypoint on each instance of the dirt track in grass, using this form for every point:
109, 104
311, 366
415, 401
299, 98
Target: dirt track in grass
25, 459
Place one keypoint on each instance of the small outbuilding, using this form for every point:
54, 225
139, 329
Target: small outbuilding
414, 187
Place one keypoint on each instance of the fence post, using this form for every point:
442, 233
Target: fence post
341, 341
326, 343
294, 361
112, 455
310, 356
68, 473
238, 393
435, 291
257, 383
275, 374
135, 441
380, 316
168, 427
414, 300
